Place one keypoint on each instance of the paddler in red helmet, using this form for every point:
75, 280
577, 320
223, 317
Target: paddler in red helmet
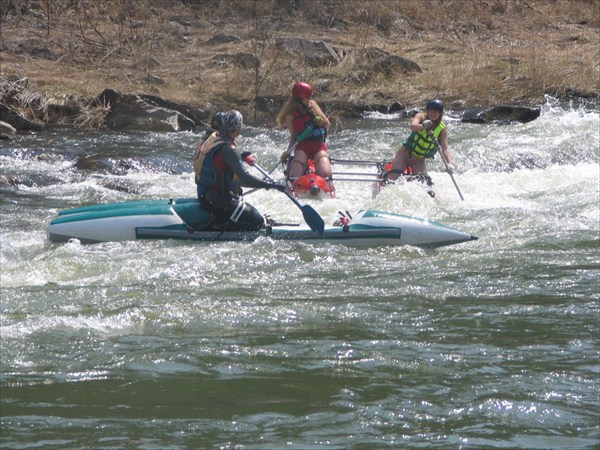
308, 126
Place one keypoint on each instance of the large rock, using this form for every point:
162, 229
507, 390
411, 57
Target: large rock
240, 59
333, 108
496, 114
393, 63
315, 53
223, 38
7, 131
66, 110
388, 63
36, 48
342, 108
16, 120
142, 112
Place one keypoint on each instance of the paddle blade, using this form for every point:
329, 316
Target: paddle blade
313, 219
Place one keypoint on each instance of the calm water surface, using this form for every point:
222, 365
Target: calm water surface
272, 345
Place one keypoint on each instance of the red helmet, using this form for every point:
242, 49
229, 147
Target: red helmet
302, 90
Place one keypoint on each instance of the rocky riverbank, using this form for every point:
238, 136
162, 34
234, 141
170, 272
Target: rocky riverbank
143, 112
168, 66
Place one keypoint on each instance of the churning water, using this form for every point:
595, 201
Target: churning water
270, 345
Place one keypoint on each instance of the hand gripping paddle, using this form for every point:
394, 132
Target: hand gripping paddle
311, 217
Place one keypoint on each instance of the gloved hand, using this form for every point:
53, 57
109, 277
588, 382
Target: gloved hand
427, 124
248, 158
450, 169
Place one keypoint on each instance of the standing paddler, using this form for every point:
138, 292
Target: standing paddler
308, 126
428, 134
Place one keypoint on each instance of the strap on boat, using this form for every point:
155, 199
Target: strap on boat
385, 176
239, 209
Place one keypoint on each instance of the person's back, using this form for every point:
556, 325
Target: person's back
221, 176
206, 143
204, 146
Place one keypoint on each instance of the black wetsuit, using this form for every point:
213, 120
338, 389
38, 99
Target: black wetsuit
221, 196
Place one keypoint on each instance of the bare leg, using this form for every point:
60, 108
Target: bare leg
298, 165
322, 164
417, 165
399, 163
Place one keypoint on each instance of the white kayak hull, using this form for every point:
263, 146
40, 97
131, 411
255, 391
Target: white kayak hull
185, 219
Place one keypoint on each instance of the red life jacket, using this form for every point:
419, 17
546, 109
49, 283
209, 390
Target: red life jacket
303, 119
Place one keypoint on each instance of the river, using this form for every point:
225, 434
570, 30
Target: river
275, 344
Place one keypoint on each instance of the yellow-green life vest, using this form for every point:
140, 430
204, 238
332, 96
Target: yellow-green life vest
421, 145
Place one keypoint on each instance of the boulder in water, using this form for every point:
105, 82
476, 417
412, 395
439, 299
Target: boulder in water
500, 114
143, 112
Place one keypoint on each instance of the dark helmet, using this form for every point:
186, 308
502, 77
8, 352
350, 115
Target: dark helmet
216, 121
302, 90
436, 104
231, 121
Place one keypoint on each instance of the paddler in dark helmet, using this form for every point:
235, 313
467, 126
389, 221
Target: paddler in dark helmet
221, 176
426, 127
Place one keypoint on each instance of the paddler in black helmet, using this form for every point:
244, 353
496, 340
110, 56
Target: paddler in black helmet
221, 176
426, 127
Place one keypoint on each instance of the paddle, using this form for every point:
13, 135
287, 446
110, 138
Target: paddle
436, 142
282, 159
284, 156
311, 217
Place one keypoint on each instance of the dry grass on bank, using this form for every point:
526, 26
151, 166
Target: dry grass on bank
481, 52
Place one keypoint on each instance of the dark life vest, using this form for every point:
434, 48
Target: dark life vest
214, 174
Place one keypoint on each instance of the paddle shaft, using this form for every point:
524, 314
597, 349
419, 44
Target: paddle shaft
268, 177
281, 161
441, 151
287, 153
311, 216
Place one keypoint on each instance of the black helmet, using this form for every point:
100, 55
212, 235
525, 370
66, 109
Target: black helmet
216, 121
436, 104
231, 121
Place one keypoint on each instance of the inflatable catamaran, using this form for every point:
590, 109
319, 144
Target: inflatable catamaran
184, 218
